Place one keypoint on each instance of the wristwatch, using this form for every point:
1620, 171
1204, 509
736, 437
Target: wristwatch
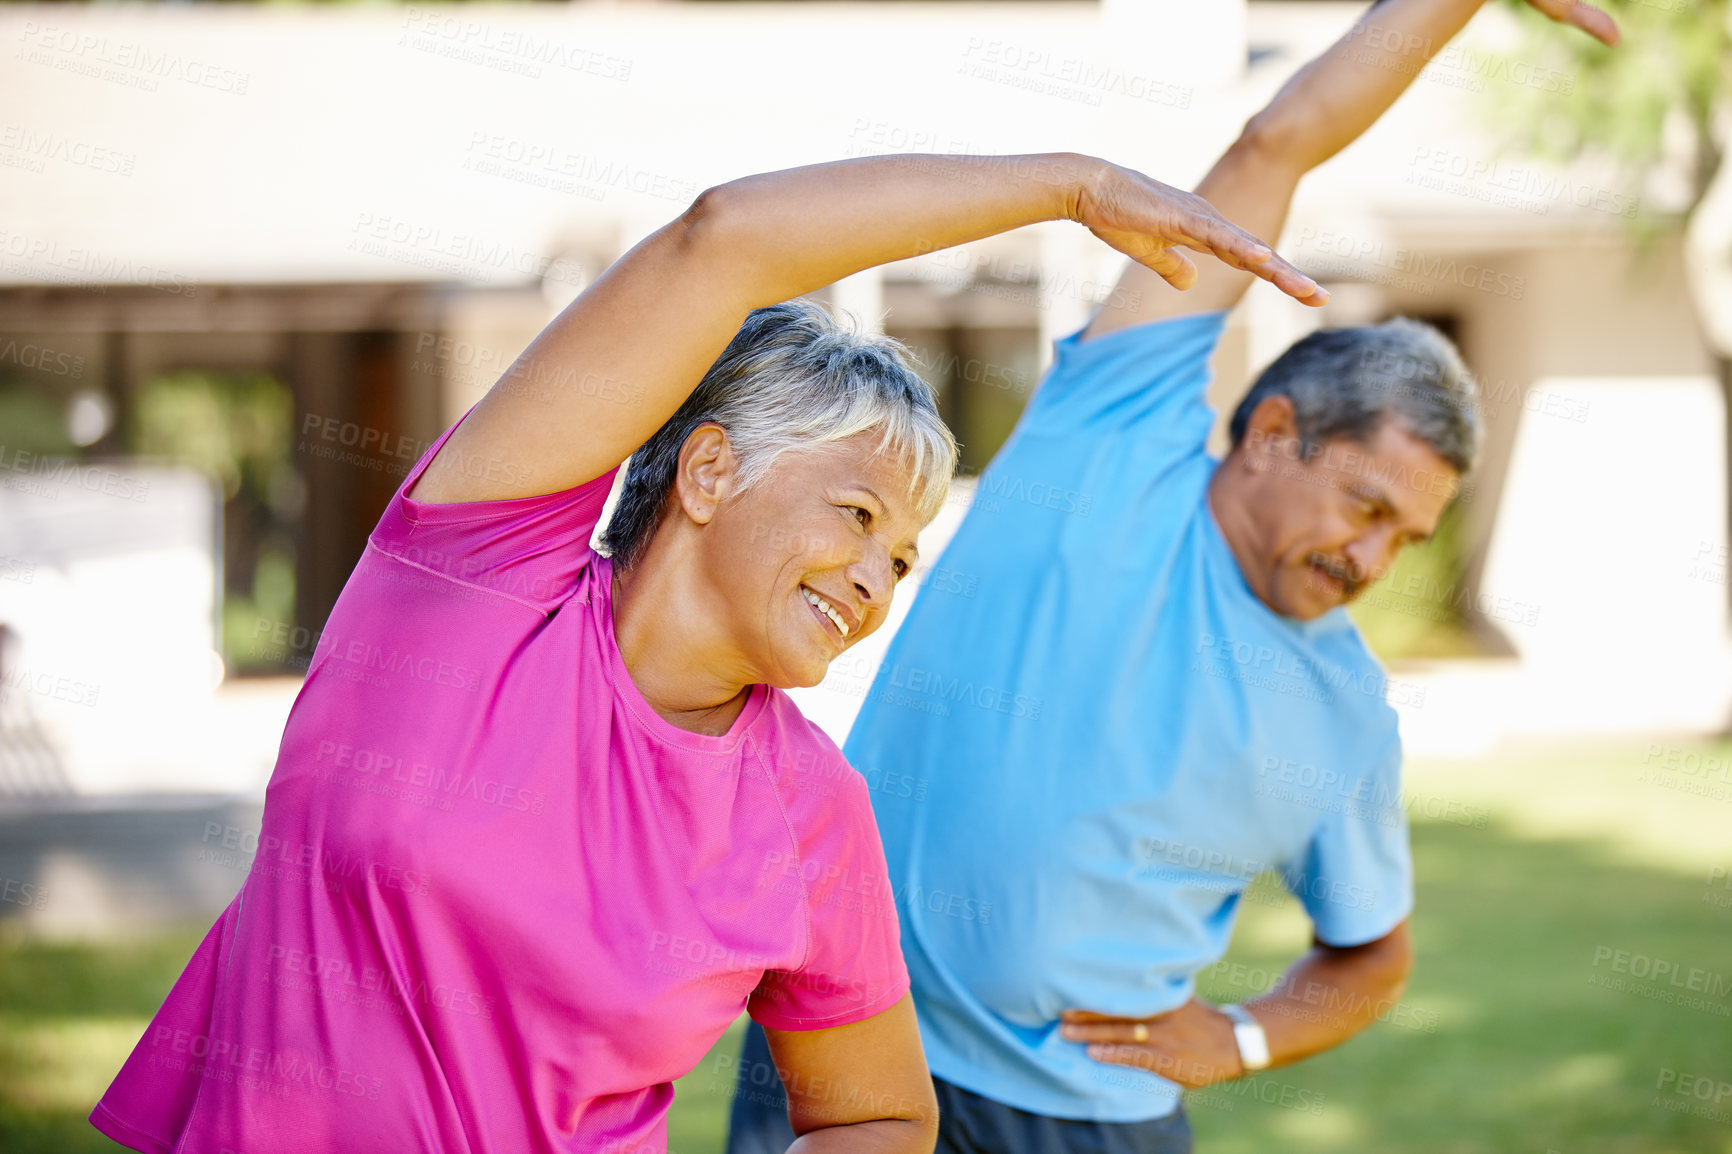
1248, 1032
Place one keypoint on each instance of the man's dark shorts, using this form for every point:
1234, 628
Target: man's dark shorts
967, 1123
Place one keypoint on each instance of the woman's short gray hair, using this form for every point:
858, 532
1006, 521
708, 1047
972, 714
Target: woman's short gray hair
1346, 382
792, 378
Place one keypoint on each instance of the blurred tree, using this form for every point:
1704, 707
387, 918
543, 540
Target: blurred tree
1660, 107
237, 428
1663, 94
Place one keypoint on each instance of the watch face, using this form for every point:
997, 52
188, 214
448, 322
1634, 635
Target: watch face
1253, 1045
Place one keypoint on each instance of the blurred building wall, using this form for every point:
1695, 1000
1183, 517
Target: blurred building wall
381, 207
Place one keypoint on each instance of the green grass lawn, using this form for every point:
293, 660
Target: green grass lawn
1557, 863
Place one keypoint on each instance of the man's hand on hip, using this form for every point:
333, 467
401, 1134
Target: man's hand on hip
1193, 1045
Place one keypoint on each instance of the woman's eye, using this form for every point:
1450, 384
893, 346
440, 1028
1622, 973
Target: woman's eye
860, 515
901, 570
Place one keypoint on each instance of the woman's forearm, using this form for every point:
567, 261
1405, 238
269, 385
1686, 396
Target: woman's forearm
883, 1136
786, 233
638, 339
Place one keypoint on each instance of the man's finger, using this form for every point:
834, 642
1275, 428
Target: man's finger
1091, 1016
1106, 1030
1581, 15
1595, 23
1135, 1056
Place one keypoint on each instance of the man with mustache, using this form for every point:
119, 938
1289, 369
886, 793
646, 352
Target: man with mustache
1154, 694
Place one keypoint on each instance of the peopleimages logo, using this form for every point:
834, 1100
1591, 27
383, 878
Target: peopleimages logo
415, 777
935, 684
1295, 674
332, 975
58, 471
273, 1071
1673, 973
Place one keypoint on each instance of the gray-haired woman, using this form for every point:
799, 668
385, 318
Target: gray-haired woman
542, 825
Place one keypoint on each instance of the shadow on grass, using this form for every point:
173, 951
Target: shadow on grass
1504, 1043
1529, 1050
69, 1015
1518, 1040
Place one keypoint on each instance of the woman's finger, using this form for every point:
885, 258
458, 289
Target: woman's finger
1292, 282
1172, 218
1173, 266
1236, 246
1278, 272
1239, 249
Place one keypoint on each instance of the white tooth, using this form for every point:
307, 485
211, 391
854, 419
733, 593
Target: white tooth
825, 608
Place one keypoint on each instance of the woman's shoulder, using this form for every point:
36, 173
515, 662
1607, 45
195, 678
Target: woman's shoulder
791, 741
805, 765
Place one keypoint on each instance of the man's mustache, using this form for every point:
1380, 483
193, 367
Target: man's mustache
1351, 576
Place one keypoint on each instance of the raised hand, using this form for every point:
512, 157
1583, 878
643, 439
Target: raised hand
1145, 220
1589, 19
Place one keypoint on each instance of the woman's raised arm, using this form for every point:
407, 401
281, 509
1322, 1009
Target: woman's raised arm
623, 356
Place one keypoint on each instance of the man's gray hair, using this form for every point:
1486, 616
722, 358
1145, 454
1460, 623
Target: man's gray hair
1346, 382
793, 378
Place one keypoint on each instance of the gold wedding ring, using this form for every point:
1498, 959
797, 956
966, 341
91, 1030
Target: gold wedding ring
1140, 1031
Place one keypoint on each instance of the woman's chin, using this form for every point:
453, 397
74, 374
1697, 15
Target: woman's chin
806, 679
798, 671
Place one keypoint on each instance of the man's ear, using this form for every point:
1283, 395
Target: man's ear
1271, 435
707, 472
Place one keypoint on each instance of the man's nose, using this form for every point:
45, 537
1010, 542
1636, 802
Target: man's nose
1372, 554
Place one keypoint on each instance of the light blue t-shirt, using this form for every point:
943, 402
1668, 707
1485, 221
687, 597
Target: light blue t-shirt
1089, 738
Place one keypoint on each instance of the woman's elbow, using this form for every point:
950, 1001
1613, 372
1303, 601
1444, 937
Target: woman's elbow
710, 219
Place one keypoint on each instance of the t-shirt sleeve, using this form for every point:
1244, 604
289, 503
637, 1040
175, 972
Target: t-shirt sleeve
853, 968
1150, 377
148, 1104
530, 549
1355, 878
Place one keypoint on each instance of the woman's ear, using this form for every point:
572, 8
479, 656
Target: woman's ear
707, 474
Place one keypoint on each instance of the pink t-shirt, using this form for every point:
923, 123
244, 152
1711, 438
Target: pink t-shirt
499, 903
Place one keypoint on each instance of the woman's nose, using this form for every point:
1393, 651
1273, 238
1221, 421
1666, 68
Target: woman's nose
873, 578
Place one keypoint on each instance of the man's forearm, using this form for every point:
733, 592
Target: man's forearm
1330, 995
1327, 104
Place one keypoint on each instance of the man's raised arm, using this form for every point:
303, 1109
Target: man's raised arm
1322, 109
